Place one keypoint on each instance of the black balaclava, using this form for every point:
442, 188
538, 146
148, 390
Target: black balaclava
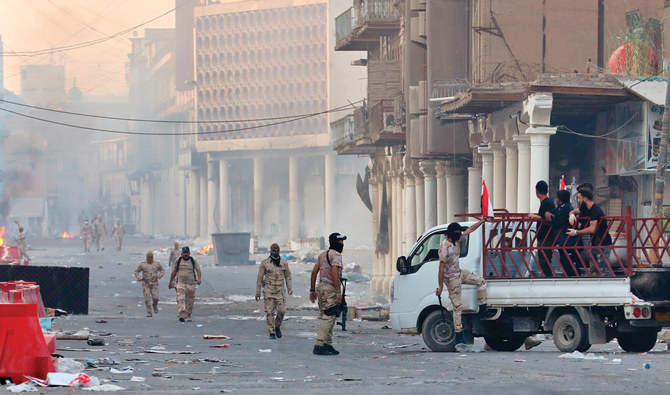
334, 242
274, 254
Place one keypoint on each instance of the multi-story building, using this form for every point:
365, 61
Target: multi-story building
469, 101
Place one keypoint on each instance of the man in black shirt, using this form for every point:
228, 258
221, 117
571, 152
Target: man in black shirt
596, 228
559, 218
545, 235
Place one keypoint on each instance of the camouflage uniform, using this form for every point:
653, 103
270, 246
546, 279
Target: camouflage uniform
100, 231
23, 245
186, 281
86, 234
175, 253
151, 271
118, 233
454, 277
273, 293
327, 294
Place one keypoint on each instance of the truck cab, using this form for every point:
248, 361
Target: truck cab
579, 311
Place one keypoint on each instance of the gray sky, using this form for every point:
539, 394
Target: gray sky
31, 25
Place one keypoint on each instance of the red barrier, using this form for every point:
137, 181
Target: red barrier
22, 292
9, 255
24, 350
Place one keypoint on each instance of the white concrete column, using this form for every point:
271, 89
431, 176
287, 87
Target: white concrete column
258, 197
203, 204
420, 203
474, 189
394, 231
224, 196
498, 193
212, 192
387, 262
511, 178
193, 188
456, 192
400, 223
539, 159
293, 196
523, 179
330, 192
487, 173
410, 209
441, 182
375, 193
430, 193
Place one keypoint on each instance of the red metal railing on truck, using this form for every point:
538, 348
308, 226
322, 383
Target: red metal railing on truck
512, 249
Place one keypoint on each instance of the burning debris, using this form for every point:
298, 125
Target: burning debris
2, 236
66, 235
205, 250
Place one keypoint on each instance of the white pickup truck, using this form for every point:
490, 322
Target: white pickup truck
578, 311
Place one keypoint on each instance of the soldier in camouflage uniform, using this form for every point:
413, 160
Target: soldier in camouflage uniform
273, 272
152, 271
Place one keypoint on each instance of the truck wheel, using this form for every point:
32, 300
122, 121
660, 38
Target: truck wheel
642, 341
500, 343
570, 333
439, 334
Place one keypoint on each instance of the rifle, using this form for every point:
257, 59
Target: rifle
344, 309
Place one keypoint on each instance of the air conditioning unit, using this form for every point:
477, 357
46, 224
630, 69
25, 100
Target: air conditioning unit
389, 122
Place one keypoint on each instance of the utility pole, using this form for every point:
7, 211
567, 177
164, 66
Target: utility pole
662, 162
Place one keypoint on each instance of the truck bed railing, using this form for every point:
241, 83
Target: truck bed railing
512, 248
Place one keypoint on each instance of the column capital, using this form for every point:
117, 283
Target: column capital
522, 142
541, 130
408, 176
486, 152
510, 148
498, 150
428, 168
440, 168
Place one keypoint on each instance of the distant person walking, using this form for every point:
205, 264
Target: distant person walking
273, 273
152, 271
23, 243
186, 273
118, 231
100, 231
86, 235
174, 254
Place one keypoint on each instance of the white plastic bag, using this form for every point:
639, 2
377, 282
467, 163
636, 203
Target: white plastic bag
68, 365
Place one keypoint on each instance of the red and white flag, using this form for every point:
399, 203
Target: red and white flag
487, 207
562, 186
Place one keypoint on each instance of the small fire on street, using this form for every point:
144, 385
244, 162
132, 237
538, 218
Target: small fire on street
2, 236
205, 250
66, 235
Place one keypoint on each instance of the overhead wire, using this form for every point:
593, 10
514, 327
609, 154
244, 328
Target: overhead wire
128, 132
348, 105
85, 43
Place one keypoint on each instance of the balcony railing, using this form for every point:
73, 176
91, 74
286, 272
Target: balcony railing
350, 135
365, 22
342, 131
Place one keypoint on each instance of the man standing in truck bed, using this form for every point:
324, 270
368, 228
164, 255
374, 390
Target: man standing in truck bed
450, 273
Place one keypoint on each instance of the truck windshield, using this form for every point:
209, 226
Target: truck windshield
427, 251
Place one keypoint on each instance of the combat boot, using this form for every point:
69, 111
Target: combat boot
321, 350
330, 349
272, 336
278, 332
485, 313
458, 339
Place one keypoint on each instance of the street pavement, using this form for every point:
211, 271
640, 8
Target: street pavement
373, 358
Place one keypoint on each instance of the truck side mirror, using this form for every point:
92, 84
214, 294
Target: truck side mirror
402, 265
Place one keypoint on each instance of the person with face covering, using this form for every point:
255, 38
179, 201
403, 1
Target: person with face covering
329, 292
86, 235
450, 273
152, 271
274, 273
